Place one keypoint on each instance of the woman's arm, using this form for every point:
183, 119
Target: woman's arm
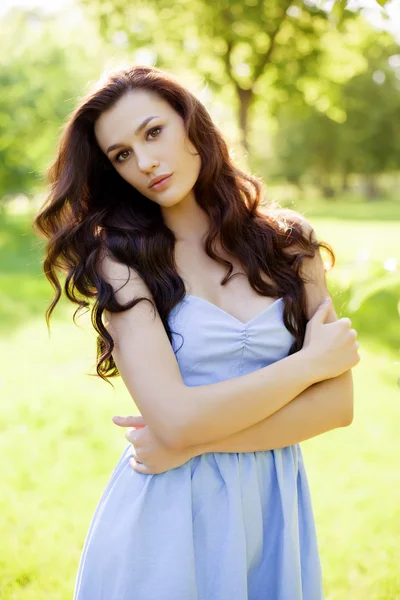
183, 416
288, 425
318, 409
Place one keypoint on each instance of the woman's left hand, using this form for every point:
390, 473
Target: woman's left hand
150, 454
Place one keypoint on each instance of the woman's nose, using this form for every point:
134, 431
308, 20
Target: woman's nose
146, 163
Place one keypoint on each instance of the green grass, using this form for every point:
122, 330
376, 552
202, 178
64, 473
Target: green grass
58, 445
353, 474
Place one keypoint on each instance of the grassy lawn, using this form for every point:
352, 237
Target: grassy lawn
58, 445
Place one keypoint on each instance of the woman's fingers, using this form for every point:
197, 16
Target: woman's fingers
130, 435
129, 421
136, 464
122, 421
135, 456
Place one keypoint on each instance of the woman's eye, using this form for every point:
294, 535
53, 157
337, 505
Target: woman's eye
154, 129
125, 151
120, 154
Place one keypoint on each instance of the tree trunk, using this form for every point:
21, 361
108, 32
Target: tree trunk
245, 99
325, 186
327, 191
345, 182
370, 187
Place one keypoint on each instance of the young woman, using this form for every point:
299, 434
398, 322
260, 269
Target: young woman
212, 312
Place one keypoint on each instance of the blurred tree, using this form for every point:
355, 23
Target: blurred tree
307, 142
364, 138
370, 137
288, 59
252, 45
43, 70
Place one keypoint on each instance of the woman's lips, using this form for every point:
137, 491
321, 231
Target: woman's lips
162, 184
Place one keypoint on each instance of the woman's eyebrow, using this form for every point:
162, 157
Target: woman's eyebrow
138, 130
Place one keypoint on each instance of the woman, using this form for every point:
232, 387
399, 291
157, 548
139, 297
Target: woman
211, 311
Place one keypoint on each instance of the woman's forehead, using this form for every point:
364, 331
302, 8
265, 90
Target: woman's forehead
133, 109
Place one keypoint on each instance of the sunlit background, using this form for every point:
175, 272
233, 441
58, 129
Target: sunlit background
308, 97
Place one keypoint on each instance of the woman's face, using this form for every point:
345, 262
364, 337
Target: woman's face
160, 147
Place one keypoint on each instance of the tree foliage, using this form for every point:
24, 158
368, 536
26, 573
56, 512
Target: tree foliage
366, 137
40, 79
314, 75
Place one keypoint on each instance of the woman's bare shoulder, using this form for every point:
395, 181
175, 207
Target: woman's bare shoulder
313, 270
290, 217
126, 282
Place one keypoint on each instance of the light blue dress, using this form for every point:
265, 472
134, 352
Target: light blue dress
222, 526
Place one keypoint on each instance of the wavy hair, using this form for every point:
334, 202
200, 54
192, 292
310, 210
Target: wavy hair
90, 209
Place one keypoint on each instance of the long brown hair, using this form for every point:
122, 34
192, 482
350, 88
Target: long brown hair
90, 209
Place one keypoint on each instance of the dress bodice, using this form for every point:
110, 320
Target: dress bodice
212, 345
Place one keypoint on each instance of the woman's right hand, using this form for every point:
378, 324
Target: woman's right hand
331, 347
